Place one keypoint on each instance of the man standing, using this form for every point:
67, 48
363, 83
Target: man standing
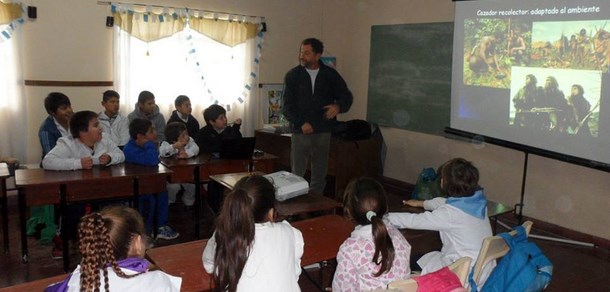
313, 96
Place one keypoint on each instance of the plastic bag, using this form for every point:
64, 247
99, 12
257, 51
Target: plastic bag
427, 186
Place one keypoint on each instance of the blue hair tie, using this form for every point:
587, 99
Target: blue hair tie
370, 215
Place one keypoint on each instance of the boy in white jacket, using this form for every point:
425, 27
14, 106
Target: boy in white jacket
180, 145
85, 147
461, 219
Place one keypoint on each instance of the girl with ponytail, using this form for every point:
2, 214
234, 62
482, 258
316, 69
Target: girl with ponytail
249, 251
113, 245
376, 253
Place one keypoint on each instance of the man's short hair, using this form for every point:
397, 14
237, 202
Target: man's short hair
173, 131
80, 122
213, 112
145, 96
109, 94
55, 100
180, 100
316, 45
460, 178
139, 126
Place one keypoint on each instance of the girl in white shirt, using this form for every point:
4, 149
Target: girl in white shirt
461, 219
249, 251
113, 244
180, 145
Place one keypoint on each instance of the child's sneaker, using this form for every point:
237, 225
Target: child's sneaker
166, 232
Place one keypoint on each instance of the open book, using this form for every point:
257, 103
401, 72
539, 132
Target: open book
287, 185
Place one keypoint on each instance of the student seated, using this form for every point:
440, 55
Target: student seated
85, 148
180, 146
461, 218
209, 137
146, 108
183, 114
142, 149
55, 126
249, 251
376, 253
115, 125
113, 244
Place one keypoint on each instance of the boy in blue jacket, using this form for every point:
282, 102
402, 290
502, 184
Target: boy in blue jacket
142, 149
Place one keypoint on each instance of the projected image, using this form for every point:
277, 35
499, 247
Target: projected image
571, 44
556, 100
492, 47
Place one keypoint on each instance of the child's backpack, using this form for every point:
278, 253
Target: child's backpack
428, 185
523, 268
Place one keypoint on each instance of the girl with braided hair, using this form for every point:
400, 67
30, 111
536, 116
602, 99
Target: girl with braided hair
249, 251
113, 244
376, 253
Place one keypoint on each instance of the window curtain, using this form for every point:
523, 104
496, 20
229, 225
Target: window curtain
13, 119
177, 56
10, 12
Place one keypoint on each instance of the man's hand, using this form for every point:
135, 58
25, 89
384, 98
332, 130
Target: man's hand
182, 154
86, 162
238, 121
307, 129
332, 110
105, 159
178, 145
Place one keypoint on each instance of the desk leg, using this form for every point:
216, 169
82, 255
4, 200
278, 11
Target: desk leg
4, 216
24, 239
136, 193
197, 180
63, 207
155, 211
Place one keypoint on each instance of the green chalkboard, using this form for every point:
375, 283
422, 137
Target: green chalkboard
410, 76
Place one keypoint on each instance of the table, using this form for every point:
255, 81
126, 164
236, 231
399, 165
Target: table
322, 236
4, 174
198, 169
294, 206
44, 187
37, 285
183, 260
346, 159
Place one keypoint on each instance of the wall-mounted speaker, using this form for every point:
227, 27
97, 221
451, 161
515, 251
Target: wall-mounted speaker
109, 21
32, 12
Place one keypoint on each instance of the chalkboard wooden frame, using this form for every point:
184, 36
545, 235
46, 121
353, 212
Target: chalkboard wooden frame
410, 76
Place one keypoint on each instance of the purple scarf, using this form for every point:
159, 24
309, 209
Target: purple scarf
133, 264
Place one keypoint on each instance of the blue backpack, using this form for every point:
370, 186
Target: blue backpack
523, 268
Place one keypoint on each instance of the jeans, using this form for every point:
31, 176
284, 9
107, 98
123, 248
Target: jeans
315, 148
147, 204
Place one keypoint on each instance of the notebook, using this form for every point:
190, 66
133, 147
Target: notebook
237, 148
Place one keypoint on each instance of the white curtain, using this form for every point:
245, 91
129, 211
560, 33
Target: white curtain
187, 63
13, 118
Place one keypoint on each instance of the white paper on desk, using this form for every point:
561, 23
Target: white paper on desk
287, 185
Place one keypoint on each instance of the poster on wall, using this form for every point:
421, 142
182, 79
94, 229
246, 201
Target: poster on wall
272, 97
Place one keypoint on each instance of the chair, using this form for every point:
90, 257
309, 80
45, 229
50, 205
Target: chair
460, 268
493, 248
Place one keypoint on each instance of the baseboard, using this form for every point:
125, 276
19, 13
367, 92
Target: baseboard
399, 187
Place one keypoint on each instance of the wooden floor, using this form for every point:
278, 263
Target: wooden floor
576, 268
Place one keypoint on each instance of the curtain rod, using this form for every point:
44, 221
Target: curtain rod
174, 7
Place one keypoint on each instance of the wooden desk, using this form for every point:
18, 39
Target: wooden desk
4, 174
198, 169
295, 206
183, 260
43, 187
322, 237
346, 160
38, 285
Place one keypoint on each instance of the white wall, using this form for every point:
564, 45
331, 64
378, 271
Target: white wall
568, 195
79, 48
